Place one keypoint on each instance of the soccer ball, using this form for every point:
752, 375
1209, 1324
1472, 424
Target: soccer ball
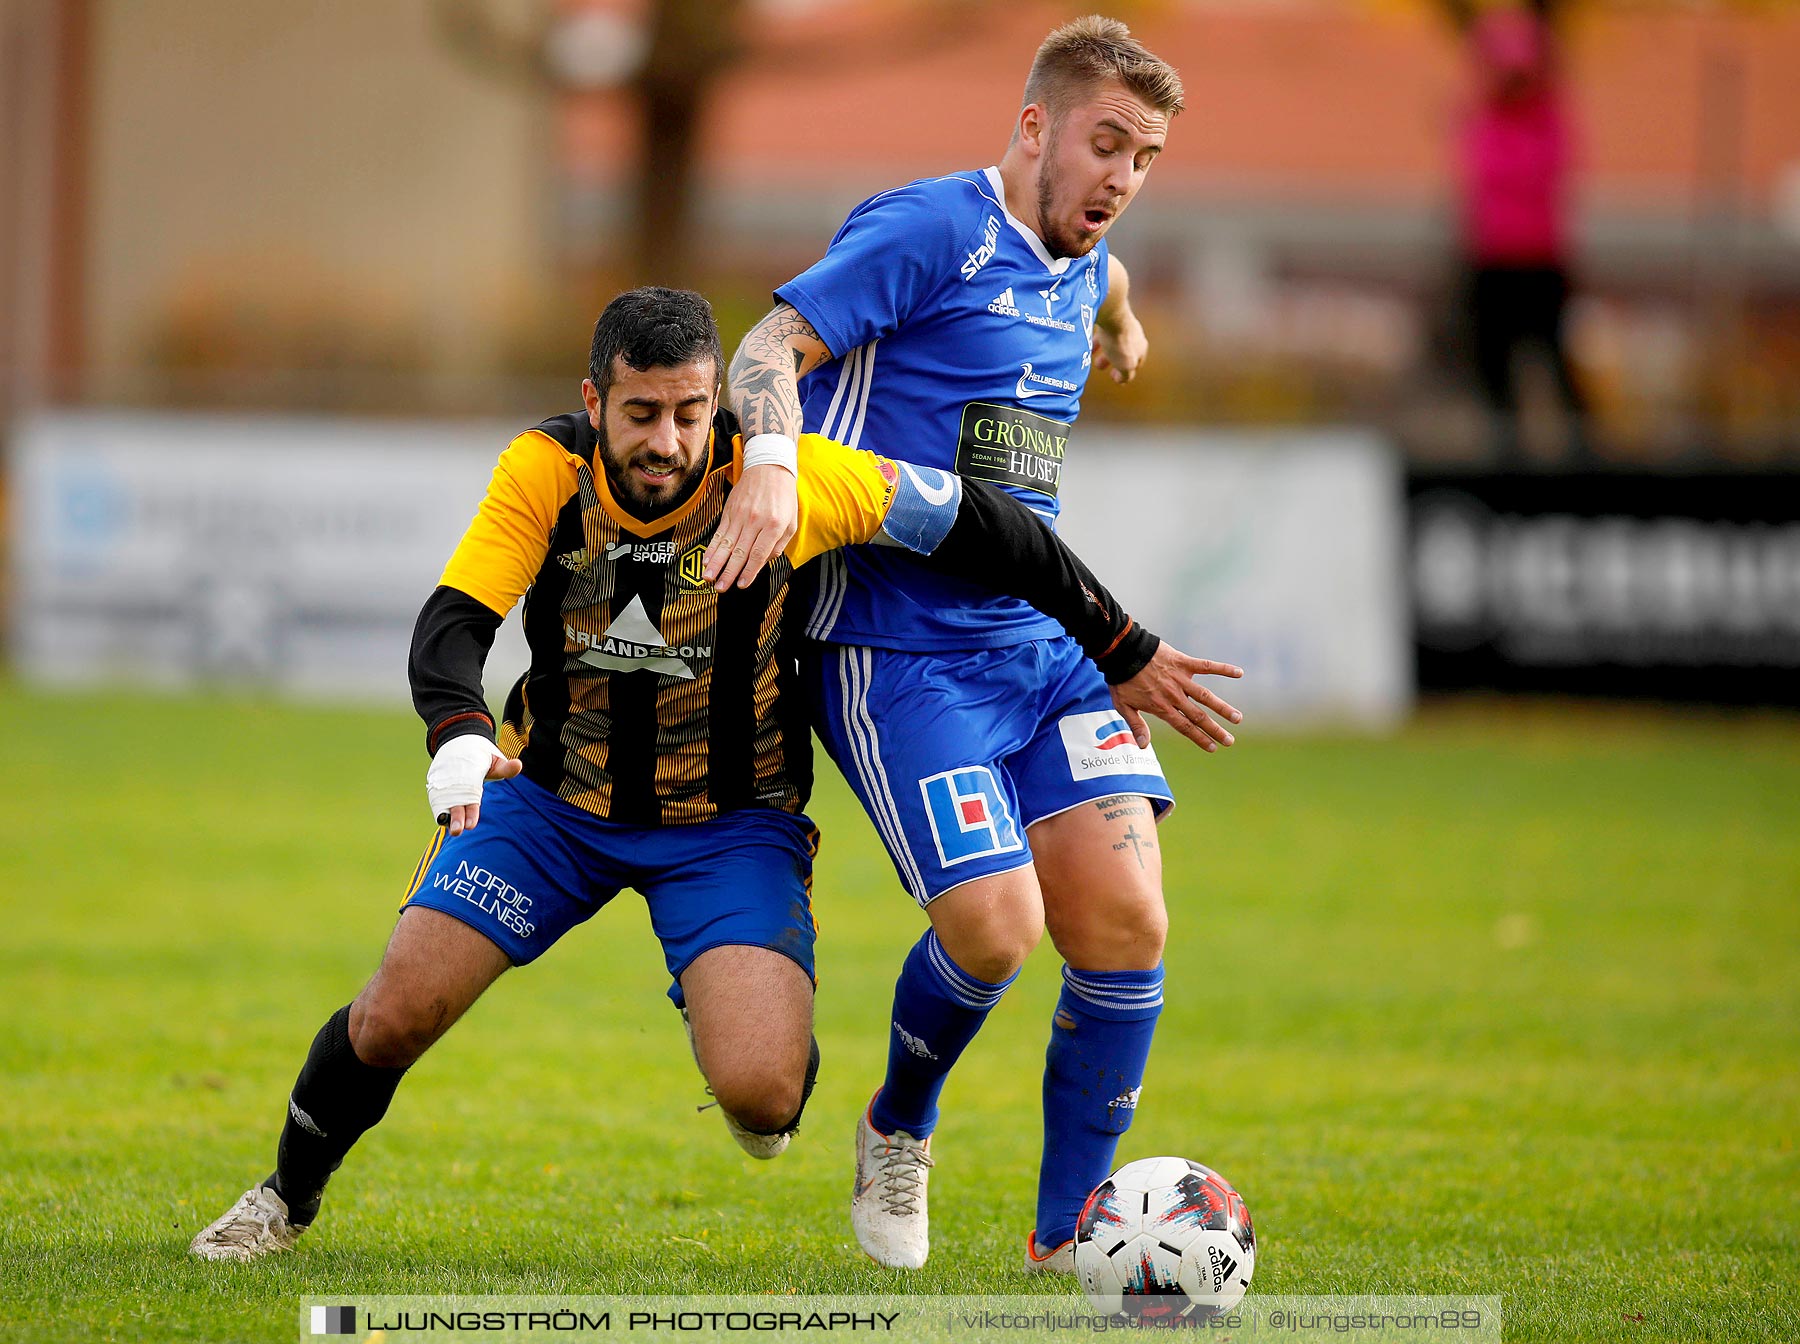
1165, 1239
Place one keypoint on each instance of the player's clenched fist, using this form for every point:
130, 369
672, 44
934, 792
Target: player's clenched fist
453, 782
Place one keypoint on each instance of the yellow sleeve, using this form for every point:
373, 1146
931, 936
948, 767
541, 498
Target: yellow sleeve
844, 496
500, 554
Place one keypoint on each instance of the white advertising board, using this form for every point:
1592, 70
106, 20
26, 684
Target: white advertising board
294, 554
1280, 551
287, 554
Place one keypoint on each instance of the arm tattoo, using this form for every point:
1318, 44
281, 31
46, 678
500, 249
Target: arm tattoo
763, 384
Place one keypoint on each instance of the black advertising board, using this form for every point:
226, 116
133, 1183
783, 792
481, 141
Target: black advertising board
1673, 587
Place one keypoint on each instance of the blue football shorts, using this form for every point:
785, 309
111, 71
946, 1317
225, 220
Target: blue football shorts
536, 866
956, 755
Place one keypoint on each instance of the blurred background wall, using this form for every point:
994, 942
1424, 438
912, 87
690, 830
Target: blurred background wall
381, 205
418, 206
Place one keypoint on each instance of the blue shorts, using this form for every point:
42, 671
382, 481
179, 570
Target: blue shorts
535, 867
955, 755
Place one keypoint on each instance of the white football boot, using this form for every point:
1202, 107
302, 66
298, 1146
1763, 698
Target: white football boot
255, 1226
1056, 1260
887, 1203
760, 1146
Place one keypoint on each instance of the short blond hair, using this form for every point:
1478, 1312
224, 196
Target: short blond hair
1091, 50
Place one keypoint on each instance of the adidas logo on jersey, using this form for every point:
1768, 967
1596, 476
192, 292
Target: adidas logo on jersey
1004, 304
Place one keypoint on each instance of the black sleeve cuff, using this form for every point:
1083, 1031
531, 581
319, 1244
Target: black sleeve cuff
1130, 656
478, 722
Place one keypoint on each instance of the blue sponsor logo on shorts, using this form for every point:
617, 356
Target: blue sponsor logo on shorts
969, 816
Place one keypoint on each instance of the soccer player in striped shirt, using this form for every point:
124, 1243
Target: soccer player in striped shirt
657, 741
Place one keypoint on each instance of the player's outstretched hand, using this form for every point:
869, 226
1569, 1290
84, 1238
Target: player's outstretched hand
453, 783
1167, 689
759, 521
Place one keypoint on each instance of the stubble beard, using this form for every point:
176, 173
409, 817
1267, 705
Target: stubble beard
1056, 242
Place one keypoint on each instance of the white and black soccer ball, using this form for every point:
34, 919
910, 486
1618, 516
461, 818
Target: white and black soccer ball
1165, 1238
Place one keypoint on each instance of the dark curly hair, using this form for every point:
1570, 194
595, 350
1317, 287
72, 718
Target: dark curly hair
653, 328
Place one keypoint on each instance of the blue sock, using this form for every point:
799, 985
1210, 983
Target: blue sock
1093, 1072
938, 1008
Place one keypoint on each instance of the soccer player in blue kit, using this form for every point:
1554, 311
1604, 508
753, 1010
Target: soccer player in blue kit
959, 317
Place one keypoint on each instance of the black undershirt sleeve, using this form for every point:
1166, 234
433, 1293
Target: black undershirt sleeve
999, 543
450, 646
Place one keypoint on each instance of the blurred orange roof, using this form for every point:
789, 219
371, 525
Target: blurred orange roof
1302, 99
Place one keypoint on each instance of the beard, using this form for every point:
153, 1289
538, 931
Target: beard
1058, 240
630, 490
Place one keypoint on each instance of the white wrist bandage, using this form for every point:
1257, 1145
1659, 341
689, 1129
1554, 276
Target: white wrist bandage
772, 449
457, 772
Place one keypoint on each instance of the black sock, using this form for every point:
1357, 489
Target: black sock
336, 1100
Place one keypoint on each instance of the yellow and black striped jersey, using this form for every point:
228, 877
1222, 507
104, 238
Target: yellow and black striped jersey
652, 699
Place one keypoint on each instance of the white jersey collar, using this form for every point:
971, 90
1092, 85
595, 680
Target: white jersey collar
1055, 265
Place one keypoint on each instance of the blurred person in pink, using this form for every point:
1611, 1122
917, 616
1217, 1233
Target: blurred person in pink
1515, 157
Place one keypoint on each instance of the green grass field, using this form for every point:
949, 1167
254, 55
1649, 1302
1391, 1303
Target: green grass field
1508, 1003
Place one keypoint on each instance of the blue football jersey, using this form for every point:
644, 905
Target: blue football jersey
960, 343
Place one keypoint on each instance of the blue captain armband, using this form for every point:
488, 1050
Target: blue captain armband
924, 508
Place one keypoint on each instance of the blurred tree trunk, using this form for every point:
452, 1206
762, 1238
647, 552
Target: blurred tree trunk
692, 43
